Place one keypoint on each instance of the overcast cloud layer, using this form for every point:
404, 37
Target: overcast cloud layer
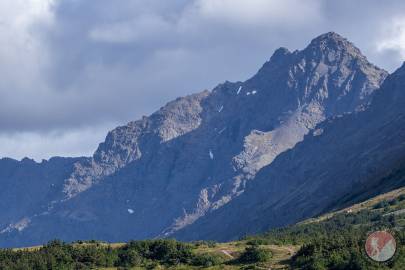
73, 69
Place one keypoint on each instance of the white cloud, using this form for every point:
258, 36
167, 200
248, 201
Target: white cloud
20, 50
393, 37
259, 12
141, 29
68, 64
19, 14
70, 143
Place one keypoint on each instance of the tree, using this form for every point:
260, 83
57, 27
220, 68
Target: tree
254, 254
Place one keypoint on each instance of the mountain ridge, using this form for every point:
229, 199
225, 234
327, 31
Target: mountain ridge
359, 154
162, 173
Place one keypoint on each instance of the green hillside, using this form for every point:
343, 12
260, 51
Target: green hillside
332, 241
336, 240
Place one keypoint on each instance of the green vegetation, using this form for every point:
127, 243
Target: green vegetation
337, 241
208, 260
344, 252
255, 254
148, 254
90, 255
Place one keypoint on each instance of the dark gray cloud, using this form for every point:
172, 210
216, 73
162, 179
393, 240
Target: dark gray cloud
72, 69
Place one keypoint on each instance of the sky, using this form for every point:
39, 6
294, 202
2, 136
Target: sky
73, 69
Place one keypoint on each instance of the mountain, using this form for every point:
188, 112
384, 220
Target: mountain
203, 155
28, 186
344, 160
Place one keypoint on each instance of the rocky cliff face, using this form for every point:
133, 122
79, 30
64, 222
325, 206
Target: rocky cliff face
122, 145
161, 174
344, 160
29, 188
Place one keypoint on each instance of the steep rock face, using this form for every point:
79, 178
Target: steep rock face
28, 187
122, 145
344, 160
162, 173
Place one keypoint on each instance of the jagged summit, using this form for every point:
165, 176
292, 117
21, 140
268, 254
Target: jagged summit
329, 37
332, 41
329, 48
329, 57
333, 48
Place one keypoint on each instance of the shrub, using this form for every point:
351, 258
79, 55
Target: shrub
207, 260
258, 241
254, 254
210, 243
393, 202
130, 258
381, 204
166, 251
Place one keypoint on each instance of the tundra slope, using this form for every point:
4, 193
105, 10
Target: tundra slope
158, 175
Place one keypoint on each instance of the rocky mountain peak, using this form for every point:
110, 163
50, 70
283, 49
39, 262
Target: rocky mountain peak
333, 42
330, 38
327, 53
324, 47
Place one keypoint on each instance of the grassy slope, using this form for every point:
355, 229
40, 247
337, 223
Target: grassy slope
230, 251
362, 206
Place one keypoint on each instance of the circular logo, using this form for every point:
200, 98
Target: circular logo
380, 246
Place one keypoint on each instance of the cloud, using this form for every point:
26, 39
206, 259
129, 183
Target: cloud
259, 12
70, 66
72, 143
142, 29
20, 48
394, 37
368, 24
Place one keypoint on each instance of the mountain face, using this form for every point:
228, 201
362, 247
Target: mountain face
344, 160
29, 187
203, 155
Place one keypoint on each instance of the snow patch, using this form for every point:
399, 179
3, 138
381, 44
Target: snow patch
248, 93
131, 211
222, 130
221, 108
317, 132
254, 92
211, 154
240, 88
